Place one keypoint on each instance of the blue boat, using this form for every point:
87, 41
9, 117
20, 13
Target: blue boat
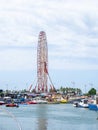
93, 107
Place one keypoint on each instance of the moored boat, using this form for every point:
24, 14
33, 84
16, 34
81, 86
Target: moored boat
94, 104
83, 103
12, 105
2, 102
63, 100
32, 102
39, 100
54, 102
75, 104
93, 107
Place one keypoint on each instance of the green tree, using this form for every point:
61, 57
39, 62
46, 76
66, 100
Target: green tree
92, 91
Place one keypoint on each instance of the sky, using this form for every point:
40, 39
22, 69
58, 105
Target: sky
71, 28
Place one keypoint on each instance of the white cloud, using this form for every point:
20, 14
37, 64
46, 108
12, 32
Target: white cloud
17, 59
71, 27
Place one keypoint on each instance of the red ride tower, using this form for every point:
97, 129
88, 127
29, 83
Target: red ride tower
42, 63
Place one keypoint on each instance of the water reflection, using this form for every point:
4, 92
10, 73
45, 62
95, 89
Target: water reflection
42, 117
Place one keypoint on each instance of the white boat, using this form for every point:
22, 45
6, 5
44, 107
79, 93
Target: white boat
2, 102
83, 103
39, 100
75, 104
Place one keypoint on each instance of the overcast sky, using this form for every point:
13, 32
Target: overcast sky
71, 27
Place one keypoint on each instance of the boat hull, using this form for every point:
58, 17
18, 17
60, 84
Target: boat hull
83, 104
93, 107
12, 105
2, 103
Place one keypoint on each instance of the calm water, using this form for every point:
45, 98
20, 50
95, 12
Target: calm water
47, 117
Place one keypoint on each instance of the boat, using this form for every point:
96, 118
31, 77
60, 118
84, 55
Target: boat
63, 100
76, 104
59, 99
94, 104
2, 102
93, 107
12, 105
83, 103
53, 102
40, 100
32, 102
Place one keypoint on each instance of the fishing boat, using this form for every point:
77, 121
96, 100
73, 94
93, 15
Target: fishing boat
12, 105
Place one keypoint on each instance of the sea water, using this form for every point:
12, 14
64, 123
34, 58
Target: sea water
47, 117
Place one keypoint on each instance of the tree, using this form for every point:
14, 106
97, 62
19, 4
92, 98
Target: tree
1, 93
92, 91
1, 90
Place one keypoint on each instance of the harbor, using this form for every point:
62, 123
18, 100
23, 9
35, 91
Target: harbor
42, 112
47, 117
43, 107
48, 65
